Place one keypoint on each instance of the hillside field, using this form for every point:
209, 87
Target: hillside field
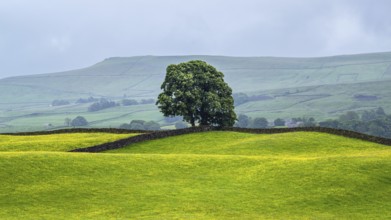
211, 175
323, 88
322, 102
56, 142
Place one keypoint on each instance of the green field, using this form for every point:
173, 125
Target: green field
212, 175
322, 102
56, 142
322, 87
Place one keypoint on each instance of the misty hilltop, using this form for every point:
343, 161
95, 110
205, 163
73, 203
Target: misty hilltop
142, 76
270, 87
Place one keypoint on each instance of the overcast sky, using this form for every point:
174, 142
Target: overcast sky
39, 36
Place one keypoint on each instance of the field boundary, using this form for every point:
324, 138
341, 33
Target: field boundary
169, 133
79, 130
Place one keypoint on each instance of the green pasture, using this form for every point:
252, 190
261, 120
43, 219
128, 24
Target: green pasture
321, 102
113, 117
56, 142
234, 143
212, 175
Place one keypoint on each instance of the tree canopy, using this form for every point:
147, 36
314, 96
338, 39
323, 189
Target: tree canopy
260, 123
197, 91
79, 121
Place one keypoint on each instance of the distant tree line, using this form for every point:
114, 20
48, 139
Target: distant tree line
102, 104
128, 102
86, 100
153, 126
374, 122
141, 125
304, 122
247, 122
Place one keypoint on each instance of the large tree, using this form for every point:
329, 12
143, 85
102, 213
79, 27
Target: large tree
197, 91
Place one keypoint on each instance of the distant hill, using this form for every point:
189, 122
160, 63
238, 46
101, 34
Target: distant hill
323, 88
142, 76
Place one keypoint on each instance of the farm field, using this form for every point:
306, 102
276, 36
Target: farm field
211, 175
322, 102
323, 88
56, 142
16, 121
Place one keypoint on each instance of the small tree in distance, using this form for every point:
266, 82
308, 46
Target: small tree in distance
243, 121
260, 123
197, 91
279, 122
67, 122
79, 121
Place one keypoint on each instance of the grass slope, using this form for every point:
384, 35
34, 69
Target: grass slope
234, 143
16, 120
56, 142
322, 102
142, 76
312, 87
214, 175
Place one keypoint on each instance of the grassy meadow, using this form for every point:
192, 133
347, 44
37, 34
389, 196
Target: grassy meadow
295, 144
56, 142
212, 175
322, 102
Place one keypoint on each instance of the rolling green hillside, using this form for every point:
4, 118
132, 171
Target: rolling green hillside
142, 76
312, 87
56, 142
234, 143
322, 102
213, 175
